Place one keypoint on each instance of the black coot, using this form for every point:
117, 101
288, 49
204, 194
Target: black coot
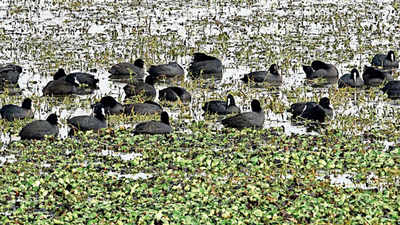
271, 76
154, 127
10, 73
167, 71
145, 88
205, 66
148, 107
312, 110
111, 106
392, 89
38, 129
61, 87
319, 69
85, 123
386, 61
253, 119
221, 107
127, 70
12, 112
81, 78
173, 94
60, 74
374, 76
351, 79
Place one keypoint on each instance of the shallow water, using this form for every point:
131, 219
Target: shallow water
95, 35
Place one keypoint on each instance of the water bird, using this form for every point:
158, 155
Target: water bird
374, 76
221, 107
386, 61
172, 94
80, 77
166, 71
88, 122
12, 112
206, 65
319, 69
126, 70
312, 110
10, 73
147, 107
271, 76
145, 88
351, 79
392, 89
253, 119
154, 127
38, 129
61, 87
111, 106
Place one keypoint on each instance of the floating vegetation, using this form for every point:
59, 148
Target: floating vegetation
345, 171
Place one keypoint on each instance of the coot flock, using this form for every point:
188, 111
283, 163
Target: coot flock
144, 86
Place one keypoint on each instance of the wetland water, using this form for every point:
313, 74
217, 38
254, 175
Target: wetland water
80, 37
43, 36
